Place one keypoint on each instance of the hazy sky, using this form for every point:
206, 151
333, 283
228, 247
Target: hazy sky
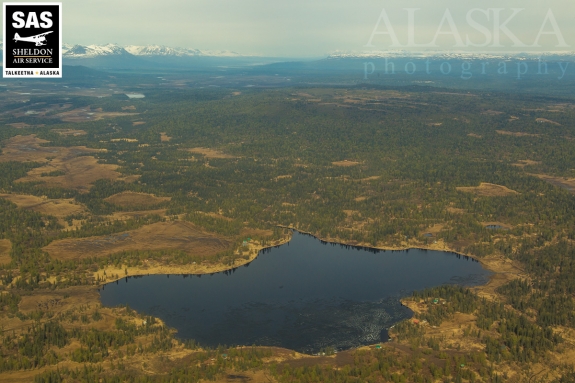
315, 28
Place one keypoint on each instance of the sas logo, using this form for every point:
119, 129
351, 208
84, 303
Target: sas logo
32, 40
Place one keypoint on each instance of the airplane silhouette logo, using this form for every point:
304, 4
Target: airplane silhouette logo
38, 39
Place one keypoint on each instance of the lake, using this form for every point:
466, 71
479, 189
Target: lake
305, 295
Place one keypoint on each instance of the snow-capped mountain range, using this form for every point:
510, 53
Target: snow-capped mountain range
93, 51
448, 55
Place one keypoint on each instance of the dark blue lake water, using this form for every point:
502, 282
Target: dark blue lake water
304, 295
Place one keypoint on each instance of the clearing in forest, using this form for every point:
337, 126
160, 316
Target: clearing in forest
131, 199
158, 236
516, 134
127, 215
544, 120
487, 190
75, 173
562, 182
88, 114
5, 247
59, 208
124, 140
523, 163
28, 148
66, 167
210, 153
70, 132
345, 163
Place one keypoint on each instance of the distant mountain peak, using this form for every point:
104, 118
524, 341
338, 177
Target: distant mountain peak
92, 51
446, 55
161, 50
89, 51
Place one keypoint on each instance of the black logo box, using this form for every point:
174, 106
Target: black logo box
52, 40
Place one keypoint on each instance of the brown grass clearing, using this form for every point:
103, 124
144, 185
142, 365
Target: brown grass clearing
130, 178
516, 134
164, 137
19, 125
126, 215
27, 148
210, 153
27, 376
158, 236
250, 231
372, 178
474, 135
59, 208
282, 177
544, 120
455, 210
129, 107
345, 163
70, 132
79, 173
359, 199
87, 114
505, 270
216, 215
435, 124
562, 182
137, 123
131, 199
246, 377
5, 247
55, 300
487, 190
566, 352
492, 112
236, 93
434, 229
124, 139
451, 329
152, 267
523, 163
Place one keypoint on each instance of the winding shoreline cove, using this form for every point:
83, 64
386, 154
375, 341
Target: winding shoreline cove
306, 295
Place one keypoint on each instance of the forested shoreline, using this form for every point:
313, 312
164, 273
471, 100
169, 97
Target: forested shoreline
483, 174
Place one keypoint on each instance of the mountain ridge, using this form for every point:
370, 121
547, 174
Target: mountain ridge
79, 51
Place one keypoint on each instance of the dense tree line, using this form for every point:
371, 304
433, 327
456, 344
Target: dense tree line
411, 150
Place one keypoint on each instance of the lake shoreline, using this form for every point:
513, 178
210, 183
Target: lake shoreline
110, 274
290, 279
485, 290
497, 265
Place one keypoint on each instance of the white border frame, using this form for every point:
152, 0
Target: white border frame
32, 69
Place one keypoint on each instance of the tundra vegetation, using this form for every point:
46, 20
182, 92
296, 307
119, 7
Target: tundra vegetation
373, 166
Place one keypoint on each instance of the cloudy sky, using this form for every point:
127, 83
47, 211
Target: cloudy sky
312, 28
